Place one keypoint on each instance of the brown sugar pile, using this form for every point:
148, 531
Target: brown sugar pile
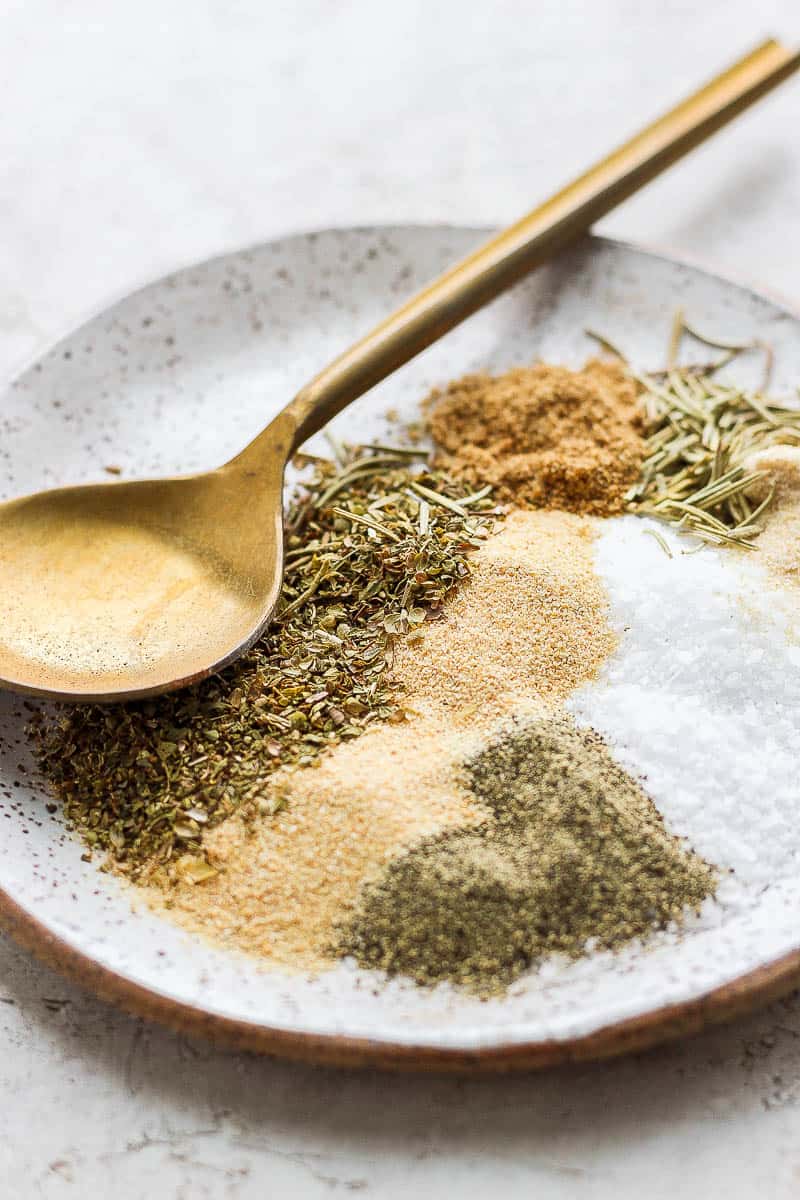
543, 436
529, 628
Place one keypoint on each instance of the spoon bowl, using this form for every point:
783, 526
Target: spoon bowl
124, 590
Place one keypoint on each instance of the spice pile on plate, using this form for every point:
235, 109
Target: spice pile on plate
573, 853
543, 436
390, 775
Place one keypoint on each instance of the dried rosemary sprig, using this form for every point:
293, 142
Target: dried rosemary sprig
700, 434
374, 547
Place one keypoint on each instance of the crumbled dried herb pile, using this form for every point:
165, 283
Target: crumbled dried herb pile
701, 434
543, 436
576, 856
374, 548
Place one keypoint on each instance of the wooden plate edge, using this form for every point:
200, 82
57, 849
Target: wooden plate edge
760, 986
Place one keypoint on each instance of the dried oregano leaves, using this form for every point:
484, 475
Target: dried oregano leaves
374, 548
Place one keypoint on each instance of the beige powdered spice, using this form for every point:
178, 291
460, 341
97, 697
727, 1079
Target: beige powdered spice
529, 628
543, 436
779, 544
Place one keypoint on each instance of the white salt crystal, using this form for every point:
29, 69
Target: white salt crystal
702, 698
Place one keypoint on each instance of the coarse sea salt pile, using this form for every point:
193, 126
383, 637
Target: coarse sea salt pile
702, 700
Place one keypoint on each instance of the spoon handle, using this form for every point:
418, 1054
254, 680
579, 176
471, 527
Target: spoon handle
510, 255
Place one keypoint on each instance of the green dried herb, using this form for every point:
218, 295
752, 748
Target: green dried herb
700, 434
374, 546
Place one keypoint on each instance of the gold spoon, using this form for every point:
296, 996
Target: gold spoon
121, 590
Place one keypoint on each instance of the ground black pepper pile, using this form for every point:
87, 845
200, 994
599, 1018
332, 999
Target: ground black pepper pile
575, 851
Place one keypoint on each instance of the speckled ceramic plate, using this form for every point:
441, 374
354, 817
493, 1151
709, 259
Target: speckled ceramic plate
183, 373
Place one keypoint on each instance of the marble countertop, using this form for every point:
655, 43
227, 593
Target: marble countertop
138, 138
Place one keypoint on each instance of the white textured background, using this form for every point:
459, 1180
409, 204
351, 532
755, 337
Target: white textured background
138, 137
